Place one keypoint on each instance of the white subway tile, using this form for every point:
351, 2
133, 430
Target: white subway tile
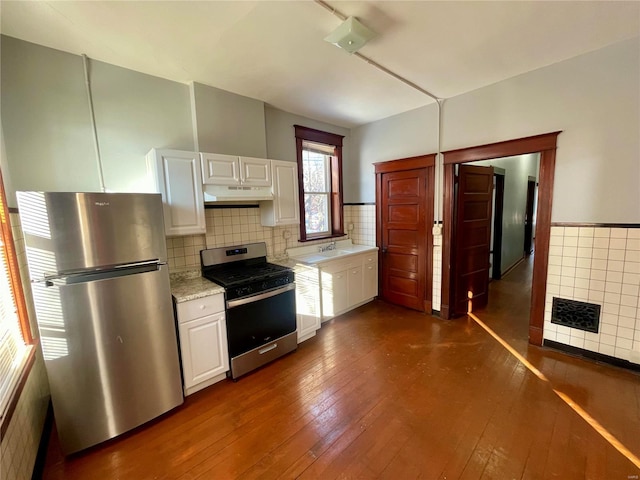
618, 233
612, 308
602, 232
633, 290
600, 253
633, 233
609, 318
570, 242
584, 252
576, 342
585, 242
606, 339
568, 261
557, 231
606, 349
632, 256
568, 272
598, 275
596, 296
626, 322
555, 260
631, 279
611, 297
598, 264
633, 243
553, 279
617, 243
622, 342
628, 300
591, 346
581, 294
628, 311
608, 329
566, 291
596, 285
555, 250
617, 255
554, 269
582, 282
614, 276
556, 241
571, 232
564, 339
583, 262
612, 287
601, 243
586, 231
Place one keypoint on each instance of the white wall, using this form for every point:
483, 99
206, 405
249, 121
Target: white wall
406, 135
594, 99
281, 143
229, 123
517, 171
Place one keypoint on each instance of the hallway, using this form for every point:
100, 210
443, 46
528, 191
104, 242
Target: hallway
386, 392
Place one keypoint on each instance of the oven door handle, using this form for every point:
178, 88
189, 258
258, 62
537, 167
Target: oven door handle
261, 296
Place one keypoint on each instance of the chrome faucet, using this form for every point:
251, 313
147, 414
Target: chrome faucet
327, 247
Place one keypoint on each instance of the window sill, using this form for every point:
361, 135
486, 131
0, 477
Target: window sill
27, 364
326, 237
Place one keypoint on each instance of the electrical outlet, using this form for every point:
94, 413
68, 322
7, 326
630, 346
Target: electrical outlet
286, 234
437, 230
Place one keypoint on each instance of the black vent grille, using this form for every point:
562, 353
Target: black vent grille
574, 314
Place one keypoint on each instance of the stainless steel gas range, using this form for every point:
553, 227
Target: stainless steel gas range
260, 304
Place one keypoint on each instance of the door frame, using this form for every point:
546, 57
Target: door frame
544, 144
411, 163
498, 214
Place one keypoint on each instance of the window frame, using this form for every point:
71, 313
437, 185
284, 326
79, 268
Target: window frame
13, 269
336, 203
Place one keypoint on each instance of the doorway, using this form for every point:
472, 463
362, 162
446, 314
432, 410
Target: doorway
404, 217
544, 144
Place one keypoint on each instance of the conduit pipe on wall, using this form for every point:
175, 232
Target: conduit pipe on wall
85, 63
437, 214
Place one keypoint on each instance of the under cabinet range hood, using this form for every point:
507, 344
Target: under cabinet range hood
225, 193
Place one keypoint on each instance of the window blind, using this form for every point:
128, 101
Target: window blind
12, 345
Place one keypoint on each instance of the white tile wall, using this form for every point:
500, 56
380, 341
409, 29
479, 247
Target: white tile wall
602, 266
363, 219
19, 445
437, 272
234, 226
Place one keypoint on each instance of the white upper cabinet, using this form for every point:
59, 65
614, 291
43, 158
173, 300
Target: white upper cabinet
178, 177
255, 172
285, 207
218, 169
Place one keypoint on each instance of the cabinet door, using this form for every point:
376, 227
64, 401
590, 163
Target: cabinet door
354, 289
255, 172
307, 302
370, 276
220, 169
285, 209
179, 180
203, 345
334, 292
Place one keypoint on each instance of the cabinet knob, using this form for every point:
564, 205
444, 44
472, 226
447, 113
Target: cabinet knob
202, 307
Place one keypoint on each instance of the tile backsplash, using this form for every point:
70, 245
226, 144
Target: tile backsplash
234, 226
19, 445
602, 266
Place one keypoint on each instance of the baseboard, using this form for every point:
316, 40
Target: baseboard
598, 357
41, 456
510, 269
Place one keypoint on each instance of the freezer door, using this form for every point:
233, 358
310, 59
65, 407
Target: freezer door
69, 232
111, 354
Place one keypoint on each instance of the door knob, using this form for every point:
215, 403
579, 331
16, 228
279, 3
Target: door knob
384, 250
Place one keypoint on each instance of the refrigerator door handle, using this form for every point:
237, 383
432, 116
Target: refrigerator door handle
100, 275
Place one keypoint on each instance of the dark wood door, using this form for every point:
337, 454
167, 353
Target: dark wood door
528, 218
472, 237
404, 237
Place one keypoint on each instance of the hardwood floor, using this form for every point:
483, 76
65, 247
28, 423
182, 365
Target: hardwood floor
387, 392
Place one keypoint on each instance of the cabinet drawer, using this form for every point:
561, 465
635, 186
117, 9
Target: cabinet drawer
200, 307
370, 258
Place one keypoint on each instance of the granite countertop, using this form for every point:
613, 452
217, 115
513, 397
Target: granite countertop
189, 285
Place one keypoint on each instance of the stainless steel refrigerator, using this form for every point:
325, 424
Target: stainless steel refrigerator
100, 285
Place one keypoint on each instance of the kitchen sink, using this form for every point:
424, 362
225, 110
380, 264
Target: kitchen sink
333, 253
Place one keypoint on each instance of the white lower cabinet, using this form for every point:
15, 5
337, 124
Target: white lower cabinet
348, 283
203, 342
308, 313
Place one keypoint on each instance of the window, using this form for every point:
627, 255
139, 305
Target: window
15, 335
320, 174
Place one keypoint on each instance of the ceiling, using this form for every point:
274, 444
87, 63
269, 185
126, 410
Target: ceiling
274, 50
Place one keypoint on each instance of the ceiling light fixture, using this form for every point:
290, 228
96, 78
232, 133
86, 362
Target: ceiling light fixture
351, 35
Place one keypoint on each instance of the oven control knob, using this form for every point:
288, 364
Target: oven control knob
265, 285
